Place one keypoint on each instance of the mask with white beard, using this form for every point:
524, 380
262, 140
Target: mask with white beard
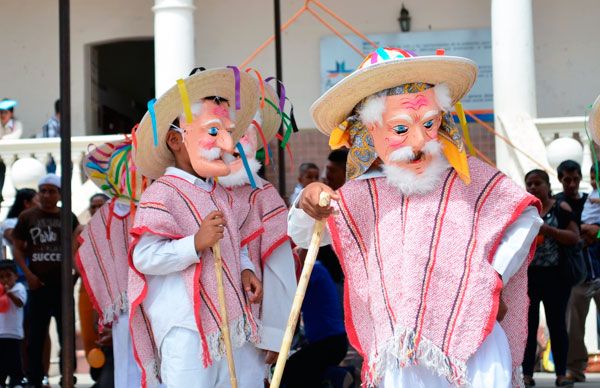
407, 181
240, 176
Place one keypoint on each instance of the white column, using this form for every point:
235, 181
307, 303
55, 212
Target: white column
514, 73
174, 54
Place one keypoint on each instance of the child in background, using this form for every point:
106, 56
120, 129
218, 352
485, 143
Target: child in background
590, 217
307, 174
11, 323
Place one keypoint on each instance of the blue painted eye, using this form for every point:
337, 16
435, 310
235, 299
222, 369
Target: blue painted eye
428, 124
400, 129
213, 131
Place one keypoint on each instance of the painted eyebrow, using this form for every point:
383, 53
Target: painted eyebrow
213, 121
403, 116
430, 114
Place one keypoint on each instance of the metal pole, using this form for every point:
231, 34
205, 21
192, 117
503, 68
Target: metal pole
68, 313
279, 75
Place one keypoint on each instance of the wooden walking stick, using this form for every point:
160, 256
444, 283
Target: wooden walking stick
224, 321
309, 263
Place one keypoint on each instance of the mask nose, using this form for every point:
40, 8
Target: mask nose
225, 142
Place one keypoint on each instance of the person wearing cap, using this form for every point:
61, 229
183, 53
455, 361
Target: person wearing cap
102, 258
37, 236
10, 127
264, 226
434, 244
174, 307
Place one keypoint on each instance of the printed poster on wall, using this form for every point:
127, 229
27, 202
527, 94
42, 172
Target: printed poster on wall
338, 59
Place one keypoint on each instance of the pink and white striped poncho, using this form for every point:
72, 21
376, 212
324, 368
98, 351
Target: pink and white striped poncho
174, 208
103, 264
420, 287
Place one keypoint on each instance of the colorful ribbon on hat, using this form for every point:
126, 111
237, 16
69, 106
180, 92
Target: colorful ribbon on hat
236, 75
261, 85
185, 101
153, 120
242, 153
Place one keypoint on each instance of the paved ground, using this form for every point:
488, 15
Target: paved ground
547, 380
542, 380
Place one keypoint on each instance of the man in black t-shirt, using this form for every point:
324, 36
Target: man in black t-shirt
38, 236
569, 175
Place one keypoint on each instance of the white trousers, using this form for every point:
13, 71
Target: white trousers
127, 372
181, 364
489, 367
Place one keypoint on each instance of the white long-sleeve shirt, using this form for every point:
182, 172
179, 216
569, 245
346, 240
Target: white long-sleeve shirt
162, 260
491, 365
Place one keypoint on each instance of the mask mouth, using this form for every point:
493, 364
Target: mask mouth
417, 157
230, 158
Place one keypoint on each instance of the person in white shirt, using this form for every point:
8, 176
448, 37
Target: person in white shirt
264, 227
434, 244
175, 314
12, 299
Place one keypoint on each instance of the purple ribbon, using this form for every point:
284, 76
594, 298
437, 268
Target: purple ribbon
236, 75
282, 96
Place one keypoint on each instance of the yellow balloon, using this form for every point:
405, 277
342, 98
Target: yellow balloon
96, 358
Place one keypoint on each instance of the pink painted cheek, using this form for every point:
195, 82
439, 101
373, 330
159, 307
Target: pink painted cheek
394, 142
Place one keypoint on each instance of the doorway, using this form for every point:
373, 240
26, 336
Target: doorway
122, 82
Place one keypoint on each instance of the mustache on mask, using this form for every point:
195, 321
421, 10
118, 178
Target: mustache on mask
406, 154
210, 154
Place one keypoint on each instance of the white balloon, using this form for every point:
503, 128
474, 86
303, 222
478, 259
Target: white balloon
564, 148
26, 173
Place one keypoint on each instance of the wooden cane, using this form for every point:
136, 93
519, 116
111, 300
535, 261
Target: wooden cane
309, 263
224, 321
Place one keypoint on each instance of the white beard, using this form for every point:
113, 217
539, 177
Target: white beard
240, 178
410, 183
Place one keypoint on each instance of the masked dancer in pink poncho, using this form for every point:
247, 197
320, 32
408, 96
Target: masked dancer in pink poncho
102, 258
175, 310
434, 244
263, 214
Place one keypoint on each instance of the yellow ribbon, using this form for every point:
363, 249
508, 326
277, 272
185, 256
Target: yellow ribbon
185, 100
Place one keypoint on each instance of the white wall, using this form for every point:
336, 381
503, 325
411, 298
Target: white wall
227, 31
30, 59
567, 55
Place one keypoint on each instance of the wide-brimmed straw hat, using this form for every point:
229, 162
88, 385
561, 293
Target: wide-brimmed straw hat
271, 118
594, 121
151, 155
110, 166
386, 68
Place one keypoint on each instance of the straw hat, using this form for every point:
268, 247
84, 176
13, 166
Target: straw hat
110, 166
386, 68
594, 121
152, 160
271, 118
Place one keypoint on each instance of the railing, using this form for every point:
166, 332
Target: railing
553, 128
44, 150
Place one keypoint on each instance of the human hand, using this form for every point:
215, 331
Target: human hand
252, 286
33, 281
589, 232
211, 231
271, 357
105, 338
309, 200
